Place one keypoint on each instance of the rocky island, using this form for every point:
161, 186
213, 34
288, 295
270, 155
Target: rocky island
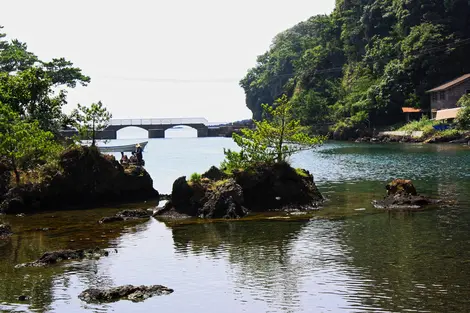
82, 177
260, 188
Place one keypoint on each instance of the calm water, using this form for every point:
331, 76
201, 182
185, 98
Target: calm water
358, 260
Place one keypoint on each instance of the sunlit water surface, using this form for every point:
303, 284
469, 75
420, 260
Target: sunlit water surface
360, 260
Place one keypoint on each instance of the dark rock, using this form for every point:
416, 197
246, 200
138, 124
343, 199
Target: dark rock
54, 257
402, 195
262, 188
126, 215
184, 197
5, 231
277, 186
401, 186
215, 174
111, 219
84, 178
224, 201
128, 292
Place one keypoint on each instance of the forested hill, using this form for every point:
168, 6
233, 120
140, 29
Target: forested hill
359, 65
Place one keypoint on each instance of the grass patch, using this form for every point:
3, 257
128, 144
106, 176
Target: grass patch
424, 124
195, 178
301, 172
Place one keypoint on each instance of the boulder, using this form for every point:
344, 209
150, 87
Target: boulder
402, 195
5, 231
214, 173
261, 188
401, 186
54, 257
126, 215
273, 187
224, 201
127, 292
83, 178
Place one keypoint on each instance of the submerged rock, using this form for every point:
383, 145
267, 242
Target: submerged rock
54, 257
127, 292
5, 231
126, 215
402, 195
261, 188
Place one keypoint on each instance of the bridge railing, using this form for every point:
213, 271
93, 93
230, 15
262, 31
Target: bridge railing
158, 121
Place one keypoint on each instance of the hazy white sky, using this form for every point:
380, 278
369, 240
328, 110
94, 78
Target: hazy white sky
132, 48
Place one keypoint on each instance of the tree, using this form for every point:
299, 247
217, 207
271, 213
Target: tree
463, 117
89, 120
277, 137
23, 144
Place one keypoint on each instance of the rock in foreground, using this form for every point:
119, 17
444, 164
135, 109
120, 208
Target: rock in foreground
126, 215
261, 188
402, 195
5, 231
54, 257
128, 292
83, 177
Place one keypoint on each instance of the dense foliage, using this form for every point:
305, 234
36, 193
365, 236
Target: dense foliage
273, 139
357, 67
23, 144
32, 87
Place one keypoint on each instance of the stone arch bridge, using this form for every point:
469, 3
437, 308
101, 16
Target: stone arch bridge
156, 127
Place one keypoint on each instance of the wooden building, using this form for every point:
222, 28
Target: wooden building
447, 95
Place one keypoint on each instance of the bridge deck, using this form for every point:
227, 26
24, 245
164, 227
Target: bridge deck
158, 121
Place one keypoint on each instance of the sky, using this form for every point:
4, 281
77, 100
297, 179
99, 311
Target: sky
156, 59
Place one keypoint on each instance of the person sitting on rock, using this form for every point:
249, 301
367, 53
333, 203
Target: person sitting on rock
133, 158
124, 159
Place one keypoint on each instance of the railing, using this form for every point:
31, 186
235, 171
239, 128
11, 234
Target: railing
158, 121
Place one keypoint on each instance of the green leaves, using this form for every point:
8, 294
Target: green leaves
23, 144
277, 137
463, 117
89, 120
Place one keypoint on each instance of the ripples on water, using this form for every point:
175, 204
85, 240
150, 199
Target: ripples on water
369, 261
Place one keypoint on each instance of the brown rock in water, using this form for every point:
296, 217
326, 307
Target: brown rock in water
402, 195
277, 187
126, 215
401, 186
54, 257
261, 188
224, 201
5, 231
84, 178
127, 292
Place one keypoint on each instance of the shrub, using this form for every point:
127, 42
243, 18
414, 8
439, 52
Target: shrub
195, 178
463, 117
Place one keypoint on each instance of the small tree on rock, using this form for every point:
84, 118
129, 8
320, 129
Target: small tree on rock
23, 144
89, 120
274, 139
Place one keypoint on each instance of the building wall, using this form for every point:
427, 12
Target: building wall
448, 99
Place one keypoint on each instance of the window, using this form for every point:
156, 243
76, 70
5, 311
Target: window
434, 97
442, 95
